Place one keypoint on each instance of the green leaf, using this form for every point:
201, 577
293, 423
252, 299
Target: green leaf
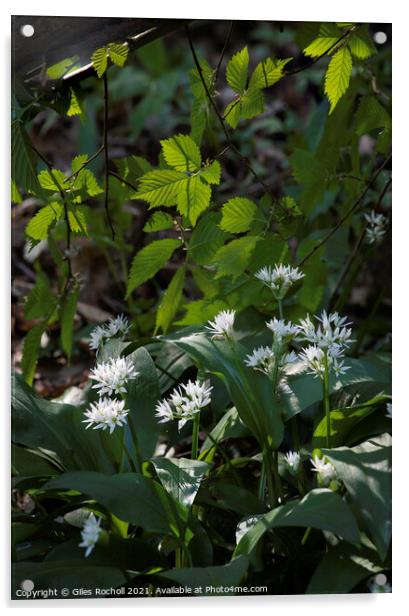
31, 350
327, 38
268, 72
99, 61
38, 226
182, 153
237, 71
233, 258
371, 115
67, 314
15, 193
148, 261
206, 239
170, 302
51, 179
229, 426
77, 220
193, 198
361, 45
248, 106
212, 173
23, 160
132, 498
159, 221
180, 477
40, 298
366, 473
337, 76
118, 52
60, 69
209, 579
196, 82
320, 508
160, 187
237, 215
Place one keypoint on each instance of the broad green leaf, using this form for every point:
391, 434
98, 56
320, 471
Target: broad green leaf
337, 76
39, 299
31, 350
229, 426
159, 221
328, 36
201, 310
30, 463
99, 61
67, 314
118, 52
170, 302
181, 153
268, 72
366, 472
62, 68
371, 115
38, 226
132, 498
160, 187
193, 198
237, 71
212, 173
233, 258
249, 105
206, 239
321, 509
148, 261
23, 160
77, 220
181, 477
237, 215
208, 579
51, 179
361, 45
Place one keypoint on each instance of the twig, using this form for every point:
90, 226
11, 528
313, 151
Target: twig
348, 214
87, 162
121, 179
226, 43
106, 156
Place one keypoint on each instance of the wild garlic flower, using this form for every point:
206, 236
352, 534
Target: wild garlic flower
261, 359
324, 469
376, 228
282, 331
315, 359
184, 402
90, 534
222, 326
332, 329
106, 414
293, 460
112, 376
279, 278
380, 584
388, 410
115, 327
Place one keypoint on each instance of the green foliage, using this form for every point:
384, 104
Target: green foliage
337, 76
170, 303
237, 215
117, 52
148, 261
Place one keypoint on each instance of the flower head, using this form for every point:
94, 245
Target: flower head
376, 227
184, 402
119, 326
112, 376
261, 359
90, 534
282, 331
293, 459
106, 414
325, 471
315, 360
222, 326
279, 278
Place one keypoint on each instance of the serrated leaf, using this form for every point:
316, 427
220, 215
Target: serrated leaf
31, 350
361, 45
75, 105
38, 226
326, 41
51, 179
337, 76
77, 220
170, 301
212, 173
148, 261
199, 117
237, 215
370, 115
99, 61
193, 198
23, 160
196, 84
118, 52
67, 314
206, 239
250, 105
160, 187
40, 298
237, 71
182, 153
268, 72
159, 221
233, 258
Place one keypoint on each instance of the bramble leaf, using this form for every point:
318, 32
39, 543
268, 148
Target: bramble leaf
268, 72
237, 71
237, 215
181, 153
337, 76
160, 187
159, 221
193, 198
118, 52
38, 226
233, 258
148, 261
326, 41
99, 61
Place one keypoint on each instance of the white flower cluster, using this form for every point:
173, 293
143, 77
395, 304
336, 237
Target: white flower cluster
90, 534
106, 414
279, 278
115, 327
222, 325
112, 376
293, 461
328, 343
376, 228
324, 469
184, 402
264, 360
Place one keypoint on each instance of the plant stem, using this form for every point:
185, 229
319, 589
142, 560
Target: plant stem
280, 308
195, 436
325, 386
262, 482
136, 445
